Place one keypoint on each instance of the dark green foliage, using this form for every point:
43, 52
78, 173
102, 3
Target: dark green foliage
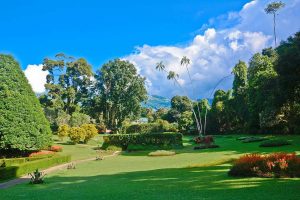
161, 140
37, 177
159, 126
120, 91
27, 167
253, 139
275, 143
23, 125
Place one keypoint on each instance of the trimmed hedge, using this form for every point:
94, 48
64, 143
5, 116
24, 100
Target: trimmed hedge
159, 140
11, 161
28, 167
149, 128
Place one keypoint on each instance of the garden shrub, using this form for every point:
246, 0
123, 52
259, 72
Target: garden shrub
162, 153
27, 167
76, 134
90, 131
273, 165
56, 148
274, 143
253, 139
164, 141
156, 127
63, 131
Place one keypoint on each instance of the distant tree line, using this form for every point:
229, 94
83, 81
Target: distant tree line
265, 97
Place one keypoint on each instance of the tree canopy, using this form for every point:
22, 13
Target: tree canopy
23, 125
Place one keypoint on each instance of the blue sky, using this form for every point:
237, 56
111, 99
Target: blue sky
214, 34
100, 30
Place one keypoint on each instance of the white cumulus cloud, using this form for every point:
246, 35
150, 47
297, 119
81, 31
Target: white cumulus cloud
36, 77
214, 52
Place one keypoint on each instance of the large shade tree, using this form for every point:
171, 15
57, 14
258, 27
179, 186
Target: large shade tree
119, 92
23, 125
68, 86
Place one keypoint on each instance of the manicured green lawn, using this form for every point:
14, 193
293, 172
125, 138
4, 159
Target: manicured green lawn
137, 176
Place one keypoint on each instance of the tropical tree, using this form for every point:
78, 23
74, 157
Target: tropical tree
119, 92
272, 8
23, 125
68, 85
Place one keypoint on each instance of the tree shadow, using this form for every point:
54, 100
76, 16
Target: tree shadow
172, 183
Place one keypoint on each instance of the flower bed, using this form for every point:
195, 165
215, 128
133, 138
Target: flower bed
273, 165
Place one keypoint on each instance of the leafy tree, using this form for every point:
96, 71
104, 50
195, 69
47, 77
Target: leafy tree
181, 103
23, 125
68, 85
78, 119
185, 121
288, 71
120, 91
261, 93
160, 113
272, 8
239, 102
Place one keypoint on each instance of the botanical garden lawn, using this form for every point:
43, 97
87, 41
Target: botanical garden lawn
137, 176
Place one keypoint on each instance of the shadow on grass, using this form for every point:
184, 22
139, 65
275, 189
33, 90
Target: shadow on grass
178, 183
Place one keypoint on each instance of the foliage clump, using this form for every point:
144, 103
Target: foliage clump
23, 126
273, 165
275, 143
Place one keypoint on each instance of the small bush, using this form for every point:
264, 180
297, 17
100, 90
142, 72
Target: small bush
63, 131
253, 139
162, 153
56, 148
274, 143
76, 134
90, 131
273, 165
160, 140
206, 140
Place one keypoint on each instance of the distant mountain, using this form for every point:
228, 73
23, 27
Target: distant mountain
155, 102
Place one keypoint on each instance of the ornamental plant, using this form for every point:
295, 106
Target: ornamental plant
273, 165
76, 134
23, 125
90, 132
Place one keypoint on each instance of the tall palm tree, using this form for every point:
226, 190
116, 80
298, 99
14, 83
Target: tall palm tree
272, 8
173, 76
185, 61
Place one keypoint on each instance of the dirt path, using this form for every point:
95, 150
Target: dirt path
26, 178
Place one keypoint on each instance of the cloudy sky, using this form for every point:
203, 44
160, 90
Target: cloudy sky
213, 34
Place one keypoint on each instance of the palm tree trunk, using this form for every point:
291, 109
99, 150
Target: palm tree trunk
274, 18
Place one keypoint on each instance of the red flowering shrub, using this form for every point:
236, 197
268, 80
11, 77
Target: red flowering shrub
56, 148
273, 165
206, 140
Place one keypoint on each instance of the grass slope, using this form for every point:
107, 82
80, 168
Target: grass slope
137, 176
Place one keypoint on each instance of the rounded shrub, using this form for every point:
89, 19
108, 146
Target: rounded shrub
76, 134
63, 131
23, 125
90, 131
275, 143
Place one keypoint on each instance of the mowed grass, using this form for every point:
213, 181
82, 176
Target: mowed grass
138, 176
